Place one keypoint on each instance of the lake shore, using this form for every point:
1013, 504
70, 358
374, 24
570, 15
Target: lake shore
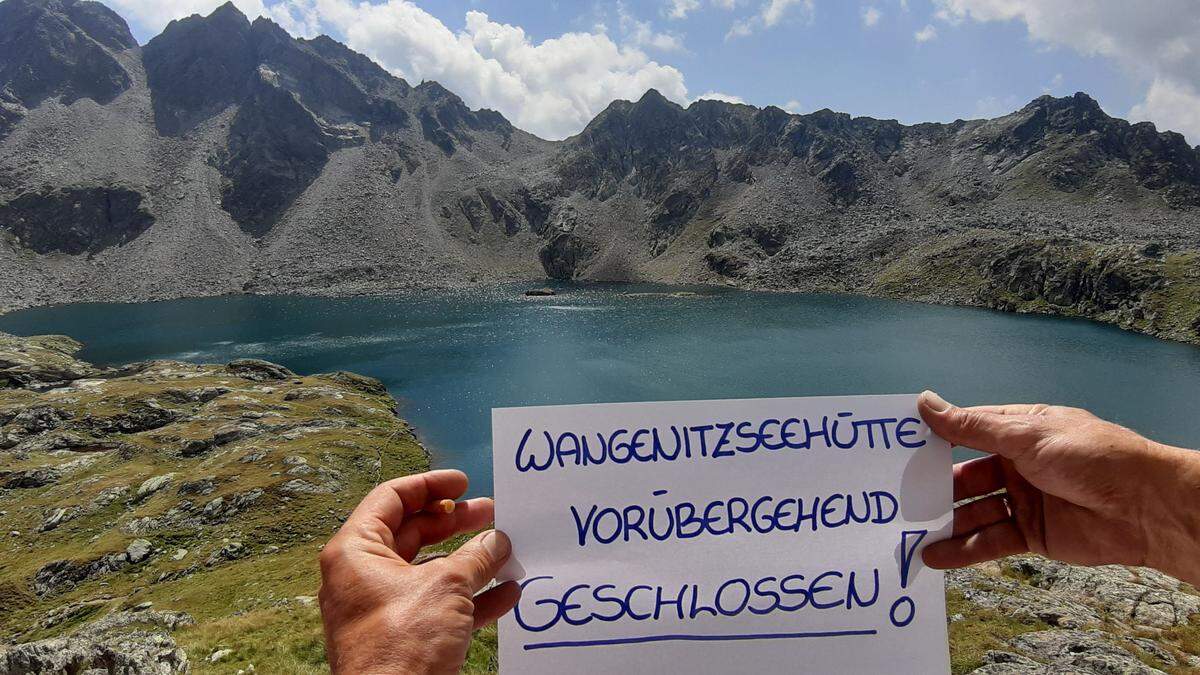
1169, 311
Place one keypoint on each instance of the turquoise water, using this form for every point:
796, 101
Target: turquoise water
449, 358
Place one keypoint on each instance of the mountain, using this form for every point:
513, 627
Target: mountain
59, 49
226, 156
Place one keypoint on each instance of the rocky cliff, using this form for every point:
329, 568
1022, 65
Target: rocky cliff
163, 517
226, 156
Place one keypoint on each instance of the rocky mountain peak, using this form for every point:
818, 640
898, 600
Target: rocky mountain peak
228, 16
58, 49
1075, 141
198, 66
1078, 114
652, 120
228, 9
296, 101
653, 98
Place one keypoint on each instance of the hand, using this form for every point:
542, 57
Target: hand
383, 614
1072, 487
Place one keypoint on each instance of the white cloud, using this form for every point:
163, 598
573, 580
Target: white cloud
793, 106
740, 28
770, 13
718, 96
298, 17
775, 10
679, 9
925, 34
551, 88
871, 16
1170, 105
1157, 41
1054, 84
642, 34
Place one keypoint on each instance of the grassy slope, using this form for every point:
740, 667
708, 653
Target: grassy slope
954, 270
247, 603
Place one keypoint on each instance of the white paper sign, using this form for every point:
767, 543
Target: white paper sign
769, 535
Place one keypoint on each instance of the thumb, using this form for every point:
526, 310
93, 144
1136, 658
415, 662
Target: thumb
480, 559
977, 429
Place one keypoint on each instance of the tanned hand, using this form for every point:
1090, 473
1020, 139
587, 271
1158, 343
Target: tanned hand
1068, 485
383, 614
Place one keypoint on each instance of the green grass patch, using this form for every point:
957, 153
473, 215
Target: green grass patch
274, 640
979, 631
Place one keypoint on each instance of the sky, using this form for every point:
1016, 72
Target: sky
551, 65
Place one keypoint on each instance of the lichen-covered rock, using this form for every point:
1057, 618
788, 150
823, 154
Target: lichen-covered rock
1083, 652
138, 652
1007, 663
152, 485
138, 550
42, 361
1097, 620
259, 370
30, 478
1133, 596
104, 646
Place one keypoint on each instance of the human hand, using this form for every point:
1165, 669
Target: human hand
383, 614
1075, 488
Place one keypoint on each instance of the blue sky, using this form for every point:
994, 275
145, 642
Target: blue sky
551, 66
834, 60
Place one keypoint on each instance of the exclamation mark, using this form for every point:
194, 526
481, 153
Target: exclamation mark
904, 609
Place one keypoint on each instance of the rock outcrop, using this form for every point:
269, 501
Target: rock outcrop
76, 220
105, 646
1032, 615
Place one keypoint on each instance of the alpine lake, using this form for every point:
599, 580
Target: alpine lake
448, 357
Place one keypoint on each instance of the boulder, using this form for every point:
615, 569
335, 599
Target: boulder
362, 383
30, 478
152, 485
231, 551
258, 370
138, 550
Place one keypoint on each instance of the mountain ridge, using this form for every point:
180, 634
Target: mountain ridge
245, 160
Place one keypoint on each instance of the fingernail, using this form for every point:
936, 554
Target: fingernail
935, 402
446, 506
497, 544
